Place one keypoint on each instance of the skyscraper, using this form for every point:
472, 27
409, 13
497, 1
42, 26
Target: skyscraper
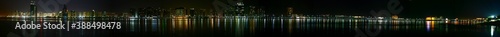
180, 11
65, 11
240, 8
290, 10
192, 11
33, 10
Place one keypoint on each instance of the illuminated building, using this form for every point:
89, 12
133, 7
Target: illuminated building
134, 12
240, 8
290, 10
191, 11
395, 17
430, 18
92, 14
358, 16
255, 11
142, 12
65, 12
33, 9
180, 11
492, 16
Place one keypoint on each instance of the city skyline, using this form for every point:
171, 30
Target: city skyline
412, 8
249, 18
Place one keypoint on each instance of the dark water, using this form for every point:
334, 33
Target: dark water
260, 27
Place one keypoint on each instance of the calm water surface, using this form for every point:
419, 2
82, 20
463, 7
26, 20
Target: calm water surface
266, 27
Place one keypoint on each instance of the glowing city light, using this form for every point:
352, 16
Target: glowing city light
187, 20
380, 17
492, 16
492, 30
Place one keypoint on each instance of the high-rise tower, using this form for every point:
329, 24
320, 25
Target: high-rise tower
65, 11
33, 11
290, 10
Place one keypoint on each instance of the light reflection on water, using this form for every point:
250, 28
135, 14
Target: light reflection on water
492, 30
255, 27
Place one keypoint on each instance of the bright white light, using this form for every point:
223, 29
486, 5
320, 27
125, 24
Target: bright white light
446, 19
446, 22
428, 23
80, 16
492, 16
240, 4
132, 19
23, 16
492, 30
380, 17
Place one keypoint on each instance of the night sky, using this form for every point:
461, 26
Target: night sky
412, 8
